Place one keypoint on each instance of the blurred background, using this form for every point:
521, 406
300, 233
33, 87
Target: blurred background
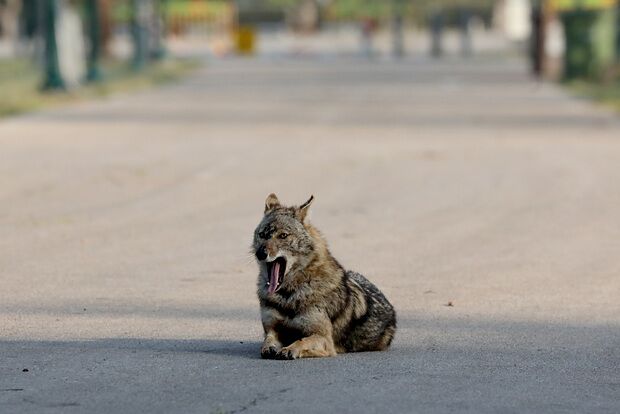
52, 45
464, 155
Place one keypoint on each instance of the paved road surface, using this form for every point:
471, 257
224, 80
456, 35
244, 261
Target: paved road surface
127, 286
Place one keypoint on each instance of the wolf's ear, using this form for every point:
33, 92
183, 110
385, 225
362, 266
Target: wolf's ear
302, 210
271, 202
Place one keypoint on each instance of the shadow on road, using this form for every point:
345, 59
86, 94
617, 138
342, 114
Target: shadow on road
236, 349
436, 365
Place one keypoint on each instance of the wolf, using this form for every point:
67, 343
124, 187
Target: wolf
310, 305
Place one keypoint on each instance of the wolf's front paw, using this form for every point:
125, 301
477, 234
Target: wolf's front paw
269, 352
288, 353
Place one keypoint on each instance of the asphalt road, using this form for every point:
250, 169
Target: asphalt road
126, 279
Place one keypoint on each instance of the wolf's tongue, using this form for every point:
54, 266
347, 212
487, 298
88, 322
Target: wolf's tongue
273, 277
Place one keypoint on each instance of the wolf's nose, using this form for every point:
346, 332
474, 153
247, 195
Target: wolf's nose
261, 253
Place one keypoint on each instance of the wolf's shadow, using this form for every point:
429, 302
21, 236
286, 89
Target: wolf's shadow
223, 347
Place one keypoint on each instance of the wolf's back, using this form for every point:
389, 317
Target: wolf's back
375, 328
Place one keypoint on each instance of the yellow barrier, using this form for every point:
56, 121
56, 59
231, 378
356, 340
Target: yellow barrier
245, 40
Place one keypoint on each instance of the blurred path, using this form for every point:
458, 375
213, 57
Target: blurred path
127, 285
332, 41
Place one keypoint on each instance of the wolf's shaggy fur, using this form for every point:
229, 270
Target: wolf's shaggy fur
316, 308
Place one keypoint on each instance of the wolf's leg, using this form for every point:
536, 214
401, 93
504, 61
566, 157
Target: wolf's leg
312, 346
271, 345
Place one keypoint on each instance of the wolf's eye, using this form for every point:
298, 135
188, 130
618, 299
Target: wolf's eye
282, 236
262, 235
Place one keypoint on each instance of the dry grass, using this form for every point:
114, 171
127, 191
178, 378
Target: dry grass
607, 93
20, 82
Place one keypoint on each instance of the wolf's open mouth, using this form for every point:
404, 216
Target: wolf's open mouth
275, 270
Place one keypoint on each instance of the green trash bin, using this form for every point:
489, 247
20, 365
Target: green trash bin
618, 33
590, 38
578, 55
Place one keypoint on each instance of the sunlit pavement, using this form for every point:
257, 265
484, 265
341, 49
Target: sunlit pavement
486, 206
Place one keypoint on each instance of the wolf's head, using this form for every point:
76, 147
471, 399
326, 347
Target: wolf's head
282, 241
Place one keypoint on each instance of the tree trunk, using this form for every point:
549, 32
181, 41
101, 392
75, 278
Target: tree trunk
52, 79
157, 51
139, 31
105, 19
398, 44
93, 18
436, 27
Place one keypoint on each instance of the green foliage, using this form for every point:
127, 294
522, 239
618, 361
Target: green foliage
175, 9
382, 9
360, 9
335, 9
282, 4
